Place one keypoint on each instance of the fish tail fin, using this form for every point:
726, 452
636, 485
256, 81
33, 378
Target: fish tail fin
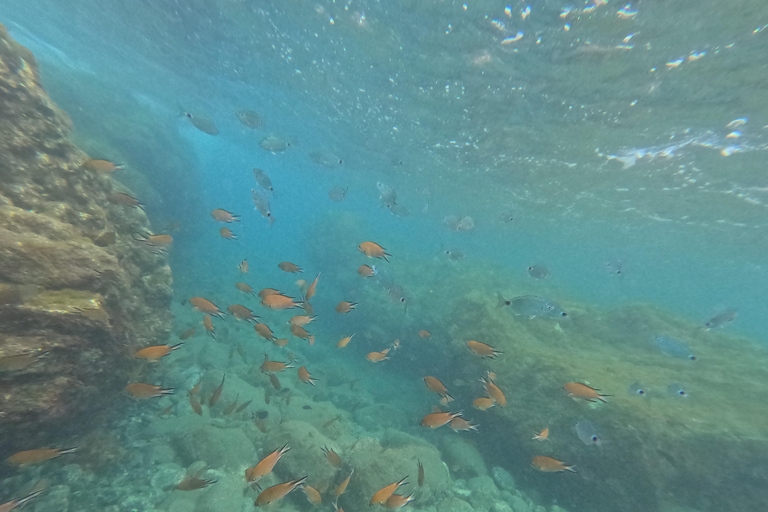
176, 346
572, 469
501, 300
64, 452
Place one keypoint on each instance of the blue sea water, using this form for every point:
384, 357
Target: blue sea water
430, 98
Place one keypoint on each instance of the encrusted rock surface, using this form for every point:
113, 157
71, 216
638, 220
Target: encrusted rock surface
77, 305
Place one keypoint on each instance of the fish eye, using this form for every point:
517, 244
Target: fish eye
692, 358
681, 392
594, 439
563, 314
640, 392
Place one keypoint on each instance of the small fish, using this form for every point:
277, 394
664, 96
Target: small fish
483, 350
244, 406
268, 291
28, 457
274, 144
326, 159
287, 266
433, 384
243, 267
197, 387
313, 496
220, 215
227, 233
333, 457
458, 424
338, 194
345, 306
454, 255
305, 377
673, 348
384, 494
300, 332
156, 352
280, 301
266, 465
541, 436
677, 390
231, 407
587, 432
438, 419
104, 166
721, 319
343, 485
397, 501
157, 241
245, 288
398, 210
483, 403
533, 306
373, 250
240, 312
387, 194
377, 357
637, 389
301, 320
261, 204
494, 392
465, 224
425, 334
312, 289
202, 123
579, 391
550, 465
249, 118
205, 306
421, 474
124, 199
216, 396
538, 272
141, 390
273, 366
275, 384
366, 271
615, 268
263, 180
209, 327
14, 504
343, 342
279, 491
193, 482
188, 333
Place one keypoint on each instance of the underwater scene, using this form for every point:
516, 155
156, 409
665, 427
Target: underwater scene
370, 255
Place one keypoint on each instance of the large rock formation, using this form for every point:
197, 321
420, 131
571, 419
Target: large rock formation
77, 292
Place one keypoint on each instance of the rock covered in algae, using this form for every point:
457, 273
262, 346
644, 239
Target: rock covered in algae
73, 303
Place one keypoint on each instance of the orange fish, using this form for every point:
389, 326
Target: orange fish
373, 250
332, 457
241, 312
425, 334
243, 267
435, 385
312, 288
397, 501
227, 233
483, 350
246, 288
299, 332
149, 240
266, 465
208, 324
344, 341
579, 391
343, 485
275, 384
268, 291
124, 199
188, 333
287, 266
273, 366
194, 482
541, 436
220, 215
304, 376
196, 389
438, 419
36, 456
345, 306
421, 474
279, 491
279, 301
494, 392
264, 331
550, 465
384, 494
155, 353
140, 390
301, 320
377, 357
14, 504
101, 166
312, 494
217, 394
483, 403
458, 423
366, 271
205, 306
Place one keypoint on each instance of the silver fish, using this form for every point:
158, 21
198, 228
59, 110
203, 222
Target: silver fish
249, 118
677, 390
326, 159
465, 224
262, 179
588, 433
721, 319
451, 221
338, 194
454, 255
637, 389
203, 123
506, 216
615, 268
387, 194
274, 144
398, 210
533, 306
673, 348
538, 272
261, 203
